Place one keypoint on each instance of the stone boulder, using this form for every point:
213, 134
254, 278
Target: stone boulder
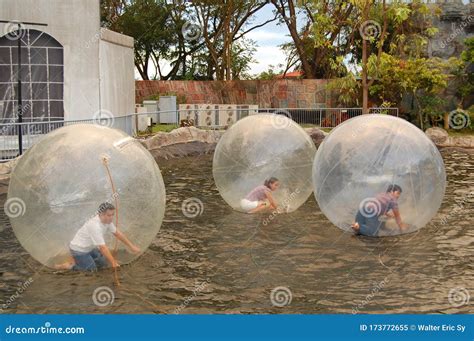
184, 141
437, 135
5, 170
441, 138
317, 135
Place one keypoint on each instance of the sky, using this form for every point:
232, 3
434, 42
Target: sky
268, 38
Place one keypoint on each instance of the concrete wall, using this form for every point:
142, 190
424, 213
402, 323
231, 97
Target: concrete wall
117, 80
76, 25
281, 93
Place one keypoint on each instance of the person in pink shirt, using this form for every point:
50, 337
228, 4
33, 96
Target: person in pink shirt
260, 198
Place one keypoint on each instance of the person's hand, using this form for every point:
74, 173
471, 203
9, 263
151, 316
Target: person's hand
390, 214
115, 264
135, 250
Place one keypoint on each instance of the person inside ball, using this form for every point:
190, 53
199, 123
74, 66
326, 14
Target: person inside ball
372, 212
261, 198
88, 249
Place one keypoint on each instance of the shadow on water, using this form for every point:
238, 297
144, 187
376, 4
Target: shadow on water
215, 260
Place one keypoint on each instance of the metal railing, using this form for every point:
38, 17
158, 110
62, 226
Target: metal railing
215, 118
33, 129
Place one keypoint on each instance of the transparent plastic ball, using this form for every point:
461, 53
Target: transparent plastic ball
360, 163
59, 183
257, 148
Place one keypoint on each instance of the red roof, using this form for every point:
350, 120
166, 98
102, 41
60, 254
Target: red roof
294, 74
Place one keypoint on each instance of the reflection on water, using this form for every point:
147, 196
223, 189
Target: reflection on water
223, 261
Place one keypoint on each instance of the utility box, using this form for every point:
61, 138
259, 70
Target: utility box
168, 113
152, 108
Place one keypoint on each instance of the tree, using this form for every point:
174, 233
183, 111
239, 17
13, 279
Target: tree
325, 33
423, 78
465, 72
150, 24
223, 24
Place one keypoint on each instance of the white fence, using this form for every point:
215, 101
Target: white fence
217, 117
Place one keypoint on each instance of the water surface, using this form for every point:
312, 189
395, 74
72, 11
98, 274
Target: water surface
223, 261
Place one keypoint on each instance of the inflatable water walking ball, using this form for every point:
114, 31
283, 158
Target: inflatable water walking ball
59, 183
362, 163
257, 148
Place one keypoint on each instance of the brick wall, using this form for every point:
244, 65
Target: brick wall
282, 93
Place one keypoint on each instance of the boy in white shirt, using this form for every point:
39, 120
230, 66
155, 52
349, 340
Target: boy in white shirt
88, 245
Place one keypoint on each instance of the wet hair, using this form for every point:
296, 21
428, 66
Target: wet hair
270, 181
394, 188
104, 207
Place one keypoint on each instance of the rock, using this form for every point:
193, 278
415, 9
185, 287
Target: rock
437, 135
463, 142
181, 135
441, 138
317, 135
193, 148
6, 167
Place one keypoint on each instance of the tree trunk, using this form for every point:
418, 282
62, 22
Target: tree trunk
365, 87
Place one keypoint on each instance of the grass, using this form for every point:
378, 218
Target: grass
166, 128
461, 133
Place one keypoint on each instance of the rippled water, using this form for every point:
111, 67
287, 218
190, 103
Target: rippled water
223, 261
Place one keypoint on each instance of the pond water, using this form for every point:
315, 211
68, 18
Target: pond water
221, 261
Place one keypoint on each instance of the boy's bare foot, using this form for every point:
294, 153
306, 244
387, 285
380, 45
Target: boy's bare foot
355, 227
64, 266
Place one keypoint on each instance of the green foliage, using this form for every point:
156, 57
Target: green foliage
270, 73
180, 99
464, 76
346, 89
